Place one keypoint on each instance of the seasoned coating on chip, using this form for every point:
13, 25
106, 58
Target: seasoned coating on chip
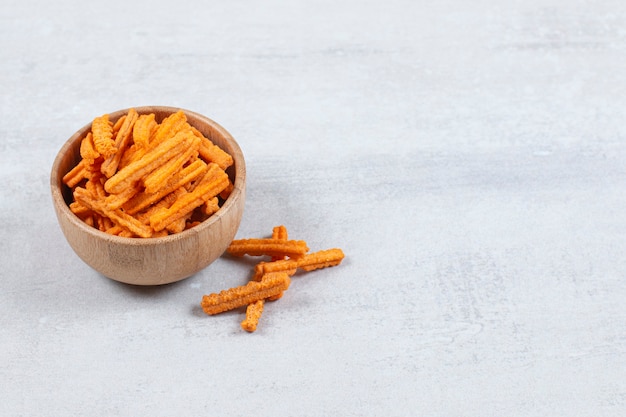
321, 259
211, 152
103, 135
122, 140
144, 128
269, 247
211, 206
227, 191
288, 266
253, 314
128, 175
187, 174
280, 233
253, 291
76, 175
158, 178
88, 149
115, 201
169, 127
135, 169
212, 183
84, 197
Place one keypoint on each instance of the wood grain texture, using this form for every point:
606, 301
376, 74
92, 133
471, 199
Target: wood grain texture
160, 260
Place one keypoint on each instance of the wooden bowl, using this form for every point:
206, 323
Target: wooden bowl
152, 261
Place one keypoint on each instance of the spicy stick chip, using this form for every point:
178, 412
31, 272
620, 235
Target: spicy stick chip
132, 171
232, 298
286, 257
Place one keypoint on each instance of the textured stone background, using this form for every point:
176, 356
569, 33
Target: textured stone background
469, 157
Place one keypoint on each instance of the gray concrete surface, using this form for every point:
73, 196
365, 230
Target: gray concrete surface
469, 157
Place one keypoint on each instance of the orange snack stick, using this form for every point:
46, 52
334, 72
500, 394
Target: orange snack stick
321, 259
309, 262
169, 127
158, 178
269, 247
88, 149
115, 201
211, 184
187, 174
115, 230
80, 210
119, 217
211, 152
288, 266
143, 129
163, 203
103, 135
211, 206
136, 174
150, 161
280, 233
178, 225
118, 124
122, 139
253, 314
253, 291
226, 193
76, 175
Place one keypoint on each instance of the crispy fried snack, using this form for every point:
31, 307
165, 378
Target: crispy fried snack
137, 174
185, 176
76, 175
103, 135
88, 149
281, 266
211, 152
159, 176
209, 186
122, 139
288, 266
253, 314
269, 247
119, 217
169, 127
253, 291
144, 128
149, 162
309, 262
321, 259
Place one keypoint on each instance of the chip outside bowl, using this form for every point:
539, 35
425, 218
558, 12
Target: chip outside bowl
161, 260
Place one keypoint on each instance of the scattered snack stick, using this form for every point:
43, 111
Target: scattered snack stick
279, 233
253, 314
283, 263
133, 171
288, 266
309, 262
270, 247
243, 295
321, 259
